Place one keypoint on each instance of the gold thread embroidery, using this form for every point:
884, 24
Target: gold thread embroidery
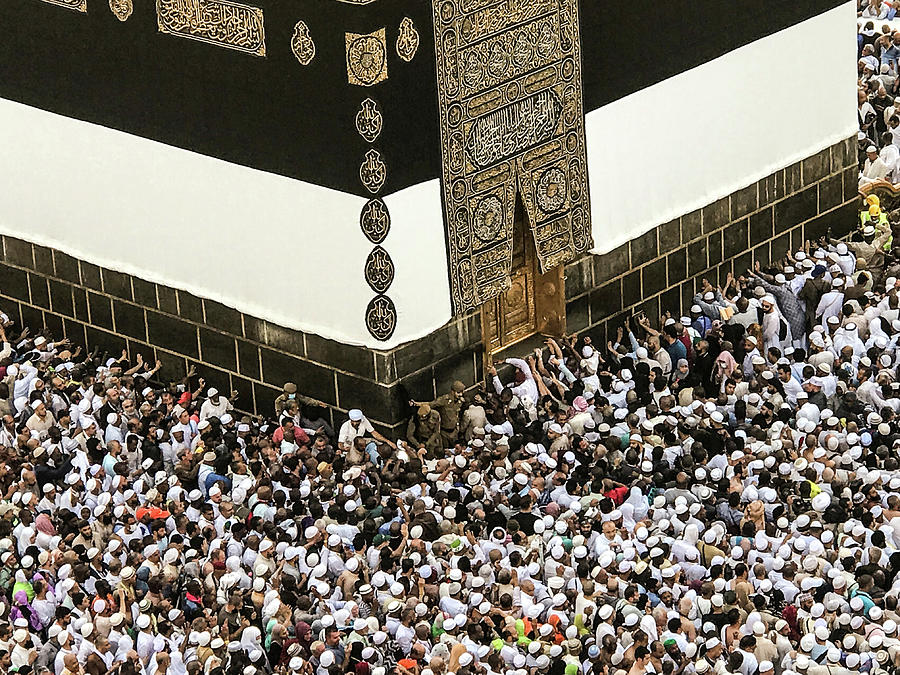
369, 120
302, 44
407, 40
512, 122
366, 58
217, 22
121, 8
381, 317
375, 221
373, 172
76, 5
379, 270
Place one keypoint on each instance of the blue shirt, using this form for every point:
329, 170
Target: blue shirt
701, 324
867, 601
212, 478
891, 54
676, 350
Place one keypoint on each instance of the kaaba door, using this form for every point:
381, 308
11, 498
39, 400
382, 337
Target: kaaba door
534, 303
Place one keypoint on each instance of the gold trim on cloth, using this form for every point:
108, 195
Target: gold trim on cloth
512, 124
217, 22
75, 5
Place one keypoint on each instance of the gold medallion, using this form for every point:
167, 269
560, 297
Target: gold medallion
121, 8
366, 58
407, 40
369, 120
302, 44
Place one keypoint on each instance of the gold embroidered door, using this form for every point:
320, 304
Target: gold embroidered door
533, 303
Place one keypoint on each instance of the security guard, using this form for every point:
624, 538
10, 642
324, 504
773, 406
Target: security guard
424, 429
449, 406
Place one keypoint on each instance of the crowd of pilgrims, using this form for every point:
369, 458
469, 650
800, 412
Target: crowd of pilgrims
878, 92
717, 492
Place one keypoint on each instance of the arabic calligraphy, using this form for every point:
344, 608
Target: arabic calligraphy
512, 123
504, 57
407, 40
375, 221
369, 120
218, 22
379, 270
373, 171
302, 44
76, 5
121, 8
513, 128
381, 317
366, 58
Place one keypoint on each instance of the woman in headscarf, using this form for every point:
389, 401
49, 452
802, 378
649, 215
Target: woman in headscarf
304, 637
639, 504
725, 366
627, 511
752, 619
642, 380
251, 639
275, 636
22, 609
681, 372
25, 538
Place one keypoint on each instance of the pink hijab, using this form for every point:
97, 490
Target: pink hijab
45, 525
726, 364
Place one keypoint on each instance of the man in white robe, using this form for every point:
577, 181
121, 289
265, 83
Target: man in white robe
831, 302
874, 169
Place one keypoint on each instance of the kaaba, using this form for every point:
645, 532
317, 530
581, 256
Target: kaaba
373, 198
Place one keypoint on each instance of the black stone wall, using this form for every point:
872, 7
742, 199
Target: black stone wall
663, 269
658, 270
91, 306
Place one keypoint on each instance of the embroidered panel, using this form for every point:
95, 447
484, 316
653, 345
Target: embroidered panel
77, 5
302, 44
218, 22
366, 58
373, 171
407, 40
512, 123
121, 8
379, 270
369, 120
375, 221
381, 317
